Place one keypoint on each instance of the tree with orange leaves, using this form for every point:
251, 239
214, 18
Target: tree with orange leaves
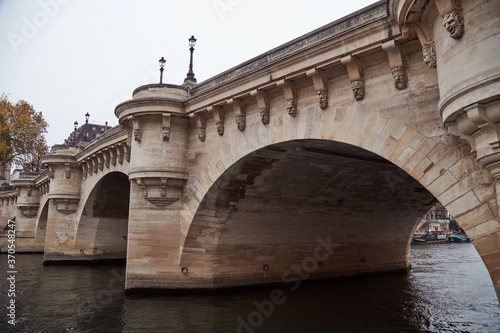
22, 133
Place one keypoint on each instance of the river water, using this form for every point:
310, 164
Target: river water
447, 290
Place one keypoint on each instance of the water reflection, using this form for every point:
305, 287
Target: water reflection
448, 290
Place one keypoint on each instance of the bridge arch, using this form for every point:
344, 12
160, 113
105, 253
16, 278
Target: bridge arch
103, 226
420, 162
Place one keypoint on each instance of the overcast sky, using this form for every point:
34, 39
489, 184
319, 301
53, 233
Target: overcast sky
69, 57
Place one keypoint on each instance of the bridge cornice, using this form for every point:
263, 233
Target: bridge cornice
118, 138
149, 105
357, 33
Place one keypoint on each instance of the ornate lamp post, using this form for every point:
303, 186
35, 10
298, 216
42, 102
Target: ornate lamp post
162, 64
86, 133
190, 74
74, 135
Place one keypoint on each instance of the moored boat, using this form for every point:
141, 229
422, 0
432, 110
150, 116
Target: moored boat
458, 238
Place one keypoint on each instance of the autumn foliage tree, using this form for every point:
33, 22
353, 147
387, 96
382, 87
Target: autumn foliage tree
22, 133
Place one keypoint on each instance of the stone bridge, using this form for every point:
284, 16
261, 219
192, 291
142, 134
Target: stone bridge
315, 159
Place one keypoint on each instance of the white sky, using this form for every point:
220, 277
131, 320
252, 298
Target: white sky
69, 57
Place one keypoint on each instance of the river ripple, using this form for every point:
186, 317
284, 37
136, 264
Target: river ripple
448, 290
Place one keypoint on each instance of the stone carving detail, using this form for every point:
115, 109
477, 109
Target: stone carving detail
67, 170
51, 172
127, 154
355, 72
429, 53
322, 98
202, 133
100, 162
29, 211
137, 135
454, 23
112, 156
400, 78
263, 104
453, 19
265, 115
166, 126
239, 111
84, 170
161, 191
201, 127
477, 126
65, 205
320, 85
120, 157
396, 64
358, 88
241, 122
219, 119
290, 93
165, 134
220, 127
291, 107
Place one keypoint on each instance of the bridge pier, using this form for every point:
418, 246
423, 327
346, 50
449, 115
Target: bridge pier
158, 139
28, 201
468, 73
63, 213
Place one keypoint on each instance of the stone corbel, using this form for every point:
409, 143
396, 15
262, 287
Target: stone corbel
94, 165
100, 162
51, 171
426, 39
161, 191
239, 111
28, 190
219, 118
453, 18
320, 85
125, 124
201, 127
355, 72
263, 104
166, 125
482, 133
112, 155
290, 93
65, 205
29, 211
106, 157
84, 170
396, 64
119, 153
137, 129
67, 170
89, 167
142, 186
126, 152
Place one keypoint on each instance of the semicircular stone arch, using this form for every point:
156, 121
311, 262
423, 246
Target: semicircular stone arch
403, 129
101, 232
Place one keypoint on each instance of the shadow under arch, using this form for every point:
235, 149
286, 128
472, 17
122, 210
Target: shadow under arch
103, 227
306, 207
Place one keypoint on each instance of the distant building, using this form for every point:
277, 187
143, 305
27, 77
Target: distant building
86, 133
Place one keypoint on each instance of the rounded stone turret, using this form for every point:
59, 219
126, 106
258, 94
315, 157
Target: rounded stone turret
65, 180
158, 139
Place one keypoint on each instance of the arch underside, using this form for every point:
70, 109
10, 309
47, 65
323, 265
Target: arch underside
103, 227
325, 207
